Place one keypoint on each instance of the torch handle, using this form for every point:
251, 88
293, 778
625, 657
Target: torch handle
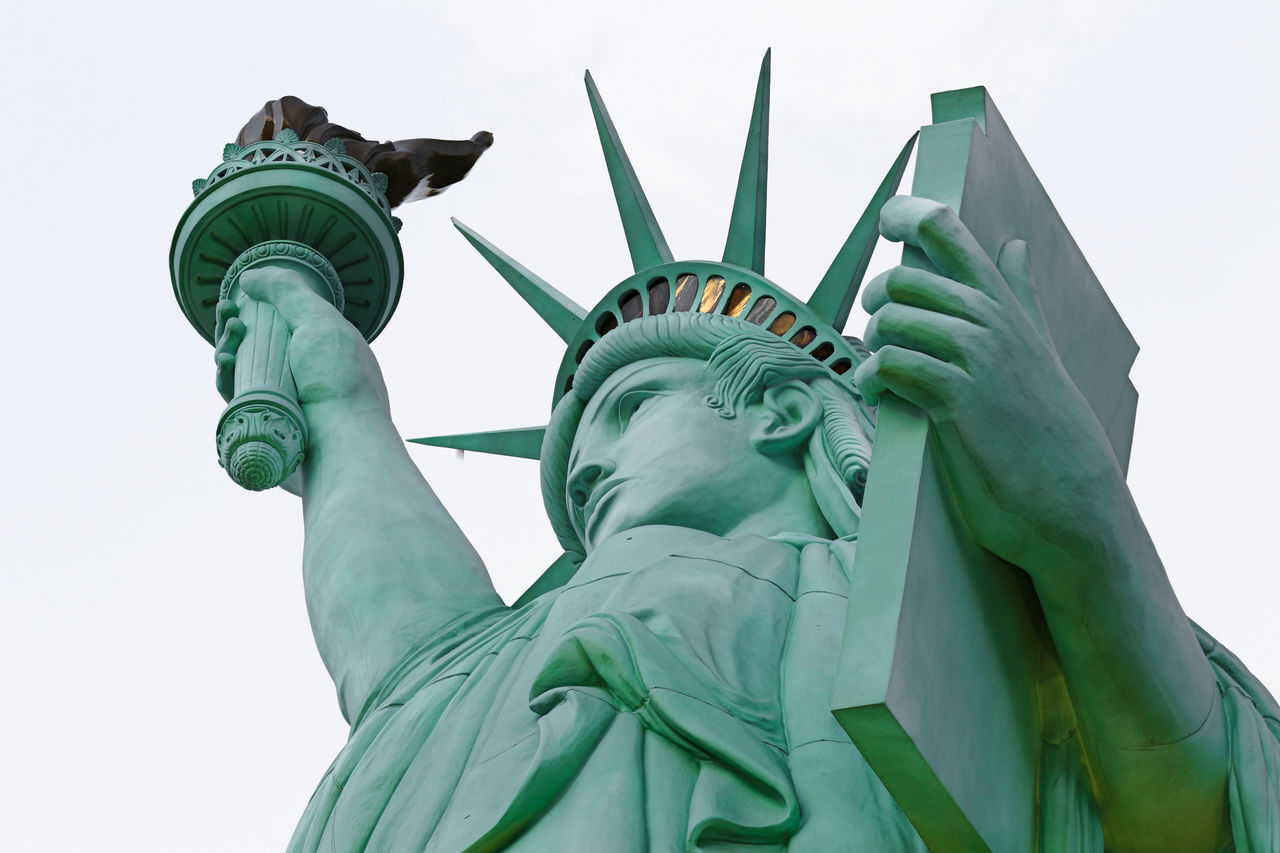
262, 434
262, 360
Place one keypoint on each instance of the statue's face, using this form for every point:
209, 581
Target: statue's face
649, 450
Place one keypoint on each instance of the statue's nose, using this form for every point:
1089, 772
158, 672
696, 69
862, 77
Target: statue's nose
584, 478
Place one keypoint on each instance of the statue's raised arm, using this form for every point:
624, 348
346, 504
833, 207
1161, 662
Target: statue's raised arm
384, 565
288, 261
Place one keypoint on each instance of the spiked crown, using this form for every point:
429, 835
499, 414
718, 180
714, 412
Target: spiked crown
734, 286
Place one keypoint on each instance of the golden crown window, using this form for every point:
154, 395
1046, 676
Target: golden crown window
784, 321
738, 299
804, 337
711, 294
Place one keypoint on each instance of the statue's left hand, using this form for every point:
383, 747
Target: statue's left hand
1038, 485
1025, 455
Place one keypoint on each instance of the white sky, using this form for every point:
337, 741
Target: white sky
162, 692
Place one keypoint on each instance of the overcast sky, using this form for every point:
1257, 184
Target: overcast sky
162, 689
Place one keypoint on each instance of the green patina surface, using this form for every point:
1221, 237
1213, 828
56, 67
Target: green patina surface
927, 530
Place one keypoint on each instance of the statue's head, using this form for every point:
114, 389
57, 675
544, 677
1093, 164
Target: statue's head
703, 421
700, 393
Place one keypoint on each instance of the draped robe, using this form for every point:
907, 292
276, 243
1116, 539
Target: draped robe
673, 696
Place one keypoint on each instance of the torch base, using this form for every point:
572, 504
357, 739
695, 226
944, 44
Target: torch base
262, 438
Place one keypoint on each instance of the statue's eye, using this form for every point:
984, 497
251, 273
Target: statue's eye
630, 404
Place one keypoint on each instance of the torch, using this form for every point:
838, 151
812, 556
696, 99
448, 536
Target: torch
296, 204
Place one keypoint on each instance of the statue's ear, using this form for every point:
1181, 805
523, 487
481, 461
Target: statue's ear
789, 415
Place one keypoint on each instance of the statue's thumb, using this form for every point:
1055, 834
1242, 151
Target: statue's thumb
1014, 265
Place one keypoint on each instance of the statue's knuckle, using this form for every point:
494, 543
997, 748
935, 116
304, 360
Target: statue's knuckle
972, 343
898, 283
893, 362
938, 220
872, 332
982, 308
888, 329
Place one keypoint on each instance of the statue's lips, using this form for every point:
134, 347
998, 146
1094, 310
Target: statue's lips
598, 497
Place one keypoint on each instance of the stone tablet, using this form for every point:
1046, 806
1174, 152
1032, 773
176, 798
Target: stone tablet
944, 654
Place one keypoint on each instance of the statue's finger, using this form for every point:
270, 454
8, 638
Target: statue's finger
233, 332
914, 376
923, 289
935, 229
224, 379
940, 336
1014, 264
876, 293
223, 311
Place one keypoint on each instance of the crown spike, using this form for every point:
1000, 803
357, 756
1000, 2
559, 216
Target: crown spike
558, 311
644, 237
833, 298
523, 443
745, 244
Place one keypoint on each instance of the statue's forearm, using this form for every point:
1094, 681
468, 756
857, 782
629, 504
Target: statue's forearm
384, 563
1146, 698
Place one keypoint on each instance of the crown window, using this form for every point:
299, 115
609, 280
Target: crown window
761, 310
738, 299
686, 291
784, 322
631, 305
804, 337
711, 294
659, 296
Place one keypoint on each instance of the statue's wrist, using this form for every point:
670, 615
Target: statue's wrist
1101, 535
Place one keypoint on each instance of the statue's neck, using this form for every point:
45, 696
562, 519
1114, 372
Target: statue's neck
795, 512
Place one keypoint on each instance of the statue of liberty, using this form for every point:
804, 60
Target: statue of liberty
668, 685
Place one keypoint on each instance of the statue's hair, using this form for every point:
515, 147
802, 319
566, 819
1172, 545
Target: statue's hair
743, 360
